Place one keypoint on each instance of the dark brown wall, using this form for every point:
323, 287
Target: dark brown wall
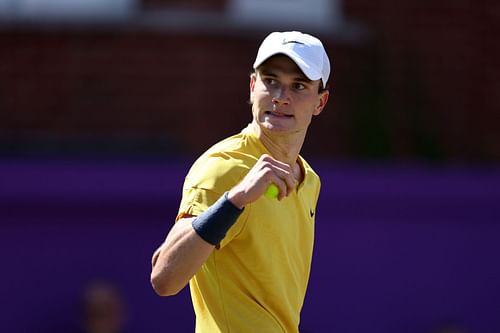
423, 86
180, 90
145, 85
439, 66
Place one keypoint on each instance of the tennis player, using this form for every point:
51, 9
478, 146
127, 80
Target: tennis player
246, 256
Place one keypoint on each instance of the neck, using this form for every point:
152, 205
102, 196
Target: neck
283, 147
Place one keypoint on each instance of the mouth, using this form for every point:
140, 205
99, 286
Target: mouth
278, 114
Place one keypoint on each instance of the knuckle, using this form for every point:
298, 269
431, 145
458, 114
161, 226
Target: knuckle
268, 173
264, 157
264, 173
267, 166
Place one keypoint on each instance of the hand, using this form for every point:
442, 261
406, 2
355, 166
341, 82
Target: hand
267, 170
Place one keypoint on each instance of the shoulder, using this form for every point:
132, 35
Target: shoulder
309, 171
223, 165
312, 180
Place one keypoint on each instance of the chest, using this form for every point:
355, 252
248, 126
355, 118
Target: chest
285, 225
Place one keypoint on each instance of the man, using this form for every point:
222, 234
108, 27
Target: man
103, 309
246, 256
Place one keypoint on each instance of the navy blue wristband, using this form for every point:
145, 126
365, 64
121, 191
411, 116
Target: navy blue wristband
213, 224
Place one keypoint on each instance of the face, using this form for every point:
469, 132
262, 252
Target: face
283, 99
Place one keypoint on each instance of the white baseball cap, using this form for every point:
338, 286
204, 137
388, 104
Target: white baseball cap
305, 50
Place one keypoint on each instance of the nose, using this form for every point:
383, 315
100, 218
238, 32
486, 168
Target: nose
281, 97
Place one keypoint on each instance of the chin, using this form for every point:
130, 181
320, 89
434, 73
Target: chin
276, 129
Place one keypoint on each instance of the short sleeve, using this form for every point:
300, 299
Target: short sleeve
205, 183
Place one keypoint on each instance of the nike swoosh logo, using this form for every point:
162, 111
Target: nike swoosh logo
311, 212
285, 41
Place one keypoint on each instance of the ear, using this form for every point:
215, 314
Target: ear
253, 78
323, 98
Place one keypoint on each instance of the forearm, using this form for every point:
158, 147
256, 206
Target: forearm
178, 258
189, 244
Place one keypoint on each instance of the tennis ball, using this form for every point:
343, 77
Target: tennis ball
272, 192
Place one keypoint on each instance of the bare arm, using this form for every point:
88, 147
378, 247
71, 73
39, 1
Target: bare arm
184, 251
178, 258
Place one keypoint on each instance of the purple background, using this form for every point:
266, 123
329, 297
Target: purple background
398, 248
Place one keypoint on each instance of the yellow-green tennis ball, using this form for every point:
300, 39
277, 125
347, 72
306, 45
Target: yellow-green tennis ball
272, 192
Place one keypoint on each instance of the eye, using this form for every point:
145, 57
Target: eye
270, 81
299, 86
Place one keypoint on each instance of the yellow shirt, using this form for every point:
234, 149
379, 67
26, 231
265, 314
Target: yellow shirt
256, 281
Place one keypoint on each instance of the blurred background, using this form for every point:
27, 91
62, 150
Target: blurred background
104, 105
